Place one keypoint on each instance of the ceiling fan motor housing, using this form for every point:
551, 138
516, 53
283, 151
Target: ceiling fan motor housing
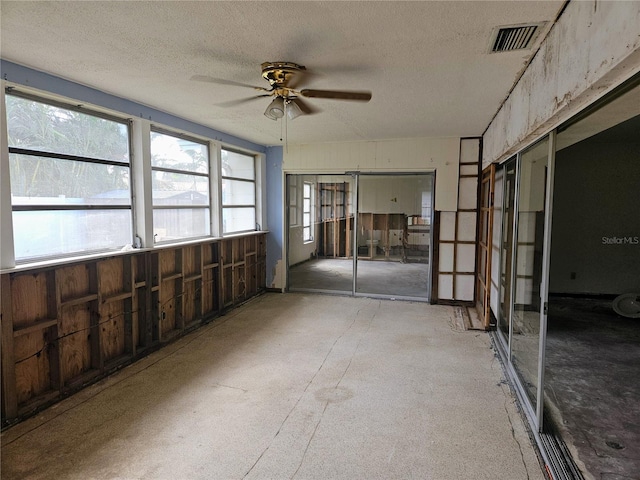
279, 74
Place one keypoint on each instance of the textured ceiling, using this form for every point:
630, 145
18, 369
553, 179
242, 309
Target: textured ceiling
426, 63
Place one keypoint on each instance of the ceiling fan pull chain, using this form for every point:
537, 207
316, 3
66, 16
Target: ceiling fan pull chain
286, 134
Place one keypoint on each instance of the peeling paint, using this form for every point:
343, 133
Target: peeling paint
585, 56
278, 276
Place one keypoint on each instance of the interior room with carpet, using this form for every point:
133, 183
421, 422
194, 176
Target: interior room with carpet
320, 239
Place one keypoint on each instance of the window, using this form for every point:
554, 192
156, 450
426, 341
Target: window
238, 192
70, 179
307, 214
180, 187
293, 200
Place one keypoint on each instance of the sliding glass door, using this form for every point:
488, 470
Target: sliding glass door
320, 238
384, 219
393, 235
507, 176
528, 284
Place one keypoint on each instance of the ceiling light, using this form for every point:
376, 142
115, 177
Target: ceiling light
275, 110
293, 109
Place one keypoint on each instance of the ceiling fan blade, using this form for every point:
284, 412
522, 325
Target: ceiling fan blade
305, 107
298, 79
222, 81
337, 95
240, 101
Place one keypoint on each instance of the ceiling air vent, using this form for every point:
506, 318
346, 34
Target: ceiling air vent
515, 37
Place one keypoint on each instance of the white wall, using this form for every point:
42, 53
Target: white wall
593, 48
409, 155
389, 195
299, 250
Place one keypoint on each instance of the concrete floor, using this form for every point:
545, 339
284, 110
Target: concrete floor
293, 386
592, 386
379, 277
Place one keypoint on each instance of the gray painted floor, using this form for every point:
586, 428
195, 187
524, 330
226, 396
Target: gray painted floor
293, 386
593, 387
379, 277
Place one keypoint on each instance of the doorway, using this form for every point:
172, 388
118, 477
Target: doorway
361, 234
592, 352
574, 360
320, 218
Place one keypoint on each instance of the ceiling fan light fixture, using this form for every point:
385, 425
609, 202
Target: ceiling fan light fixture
293, 109
276, 109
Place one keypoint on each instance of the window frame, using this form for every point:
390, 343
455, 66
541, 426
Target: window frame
154, 207
293, 200
253, 181
307, 238
48, 206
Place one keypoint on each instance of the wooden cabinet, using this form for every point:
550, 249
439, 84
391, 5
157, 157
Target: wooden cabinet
65, 326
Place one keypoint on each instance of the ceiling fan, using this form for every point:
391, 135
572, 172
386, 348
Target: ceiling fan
284, 79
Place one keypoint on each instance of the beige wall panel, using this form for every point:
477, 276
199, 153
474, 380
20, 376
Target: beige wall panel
446, 257
468, 193
464, 287
445, 287
469, 150
447, 226
468, 170
467, 226
465, 258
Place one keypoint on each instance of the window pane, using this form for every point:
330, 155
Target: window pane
238, 165
179, 189
307, 190
179, 154
39, 126
177, 223
306, 219
293, 195
50, 181
293, 215
237, 192
307, 205
57, 232
238, 219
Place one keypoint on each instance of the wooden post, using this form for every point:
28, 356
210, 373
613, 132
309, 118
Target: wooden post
9, 396
97, 357
55, 352
128, 285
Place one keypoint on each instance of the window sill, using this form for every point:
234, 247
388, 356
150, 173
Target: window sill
58, 261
